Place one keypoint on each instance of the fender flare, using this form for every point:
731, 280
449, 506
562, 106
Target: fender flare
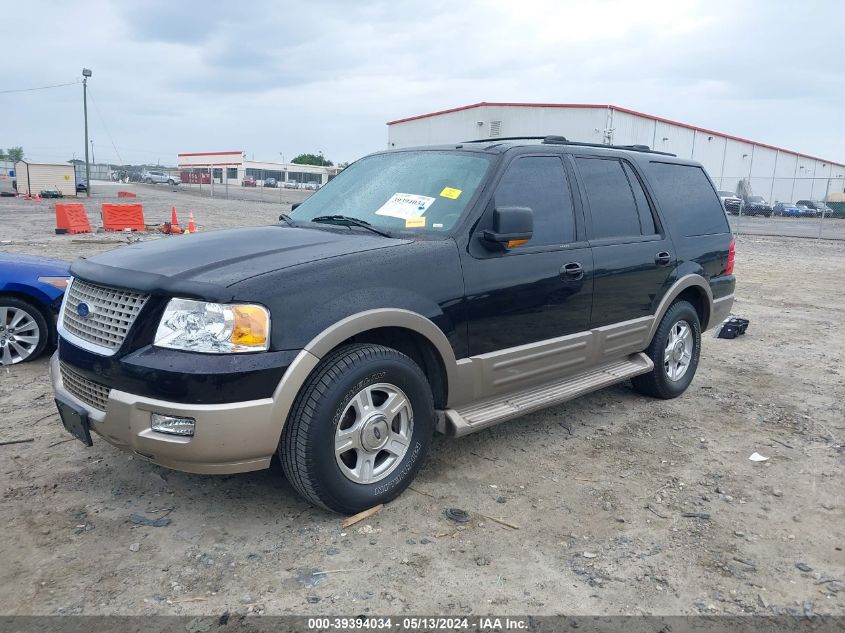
310, 356
687, 281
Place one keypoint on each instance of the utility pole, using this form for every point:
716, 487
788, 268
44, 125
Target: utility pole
86, 72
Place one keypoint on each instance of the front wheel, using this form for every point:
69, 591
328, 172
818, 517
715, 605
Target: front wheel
359, 429
23, 331
675, 350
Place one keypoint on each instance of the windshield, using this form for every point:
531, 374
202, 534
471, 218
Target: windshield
424, 190
727, 194
755, 199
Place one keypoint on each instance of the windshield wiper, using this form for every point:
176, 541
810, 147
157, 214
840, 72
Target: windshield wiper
287, 219
345, 220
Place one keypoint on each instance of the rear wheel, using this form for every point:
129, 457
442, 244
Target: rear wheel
359, 429
675, 350
23, 331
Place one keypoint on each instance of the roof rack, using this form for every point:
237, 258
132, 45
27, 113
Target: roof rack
508, 138
562, 140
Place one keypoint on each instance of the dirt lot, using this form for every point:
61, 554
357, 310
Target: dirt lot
597, 488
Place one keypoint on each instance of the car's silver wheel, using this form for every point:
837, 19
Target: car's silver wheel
374, 433
20, 335
679, 350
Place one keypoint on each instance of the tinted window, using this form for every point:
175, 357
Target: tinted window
643, 207
540, 183
612, 204
687, 199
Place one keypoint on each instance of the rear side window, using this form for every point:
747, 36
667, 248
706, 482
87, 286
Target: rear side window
612, 204
539, 182
647, 226
687, 199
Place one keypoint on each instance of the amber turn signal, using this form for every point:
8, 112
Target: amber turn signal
251, 324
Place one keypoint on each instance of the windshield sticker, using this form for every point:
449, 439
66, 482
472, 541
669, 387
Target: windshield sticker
405, 205
415, 223
449, 192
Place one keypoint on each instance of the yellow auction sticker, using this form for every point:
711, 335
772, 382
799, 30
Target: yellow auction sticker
415, 223
448, 192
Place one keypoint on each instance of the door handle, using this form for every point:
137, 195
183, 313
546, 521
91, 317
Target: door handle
663, 258
572, 270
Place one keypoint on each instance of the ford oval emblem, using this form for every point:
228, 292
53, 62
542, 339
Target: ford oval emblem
83, 310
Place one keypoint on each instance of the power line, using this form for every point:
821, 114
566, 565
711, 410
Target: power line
72, 83
105, 127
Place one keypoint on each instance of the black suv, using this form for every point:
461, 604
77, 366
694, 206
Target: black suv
757, 205
443, 288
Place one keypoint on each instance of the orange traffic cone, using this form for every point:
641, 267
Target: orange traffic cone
192, 226
174, 222
38, 197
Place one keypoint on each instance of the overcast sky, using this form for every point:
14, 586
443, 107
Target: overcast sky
272, 77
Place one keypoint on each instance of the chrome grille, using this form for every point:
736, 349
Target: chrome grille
111, 312
86, 390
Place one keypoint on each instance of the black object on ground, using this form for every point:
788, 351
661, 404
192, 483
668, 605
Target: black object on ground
137, 519
457, 515
696, 515
733, 327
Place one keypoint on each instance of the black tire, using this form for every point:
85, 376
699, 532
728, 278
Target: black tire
171, 182
44, 332
307, 447
657, 382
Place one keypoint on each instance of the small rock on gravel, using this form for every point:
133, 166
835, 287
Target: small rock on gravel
804, 567
134, 547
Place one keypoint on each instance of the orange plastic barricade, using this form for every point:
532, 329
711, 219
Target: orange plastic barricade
119, 217
127, 194
71, 218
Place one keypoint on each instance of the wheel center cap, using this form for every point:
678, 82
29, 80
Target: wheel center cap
678, 351
375, 432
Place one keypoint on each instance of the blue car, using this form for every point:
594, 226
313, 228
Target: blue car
787, 210
31, 290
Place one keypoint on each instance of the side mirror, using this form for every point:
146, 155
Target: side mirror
512, 227
294, 205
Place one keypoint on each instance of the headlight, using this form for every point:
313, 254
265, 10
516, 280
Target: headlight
213, 328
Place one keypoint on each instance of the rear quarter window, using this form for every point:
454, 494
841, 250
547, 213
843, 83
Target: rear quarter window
687, 199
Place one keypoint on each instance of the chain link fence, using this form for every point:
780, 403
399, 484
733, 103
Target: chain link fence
787, 207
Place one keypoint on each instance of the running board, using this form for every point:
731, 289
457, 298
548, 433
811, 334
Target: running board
480, 415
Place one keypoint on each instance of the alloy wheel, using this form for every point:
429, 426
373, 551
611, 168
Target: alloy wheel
19, 335
679, 348
374, 433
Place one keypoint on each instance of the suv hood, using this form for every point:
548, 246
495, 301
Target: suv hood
204, 265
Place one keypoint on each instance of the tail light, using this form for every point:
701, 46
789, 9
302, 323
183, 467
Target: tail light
729, 268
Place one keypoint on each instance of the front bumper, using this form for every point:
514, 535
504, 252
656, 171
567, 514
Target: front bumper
228, 438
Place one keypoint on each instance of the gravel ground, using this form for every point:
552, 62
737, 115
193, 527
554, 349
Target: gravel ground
610, 504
